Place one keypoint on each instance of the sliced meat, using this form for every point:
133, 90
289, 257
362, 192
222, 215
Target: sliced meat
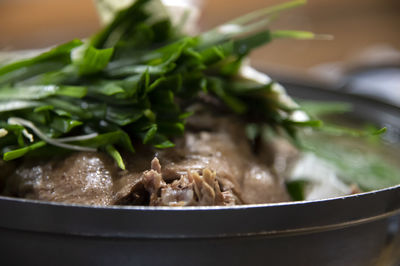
82, 178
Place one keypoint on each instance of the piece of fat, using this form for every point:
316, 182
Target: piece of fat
321, 177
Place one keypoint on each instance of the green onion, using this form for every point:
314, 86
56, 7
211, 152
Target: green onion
132, 80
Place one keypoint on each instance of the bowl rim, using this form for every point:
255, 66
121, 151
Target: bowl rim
251, 220
191, 208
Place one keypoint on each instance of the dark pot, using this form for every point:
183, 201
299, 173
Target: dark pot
361, 229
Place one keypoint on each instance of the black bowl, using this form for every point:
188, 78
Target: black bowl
361, 229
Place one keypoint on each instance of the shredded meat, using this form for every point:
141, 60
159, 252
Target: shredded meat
191, 189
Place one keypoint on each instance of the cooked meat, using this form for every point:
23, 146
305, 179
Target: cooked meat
212, 164
189, 190
85, 178
220, 144
279, 154
128, 185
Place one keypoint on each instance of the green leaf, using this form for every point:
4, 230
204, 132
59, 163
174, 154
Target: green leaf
107, 87
11, 155
12, 105
232, 68
36, 92
150, 134
163, 30
245, 45
249, 87
379, 131
150, 115
123, 116
254, 21
67, 107
296, 189
185, 115
61, 112
64, 125
138, 69
43, 108
127, 88
171, 82
171, 129
116, 156
338, 130
117, 137
308, 123
163, 63
292, 34
164, 145
355, 160
32, 73
17, 133
93, 60
316, 108
123, 20
234, 103
267, 11
54, 52
216, 53
72, 91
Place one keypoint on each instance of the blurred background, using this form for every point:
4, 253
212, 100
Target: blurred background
365, 31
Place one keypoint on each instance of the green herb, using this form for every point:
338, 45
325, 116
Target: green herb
131, 81
356, 161
319, 110
296, 189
